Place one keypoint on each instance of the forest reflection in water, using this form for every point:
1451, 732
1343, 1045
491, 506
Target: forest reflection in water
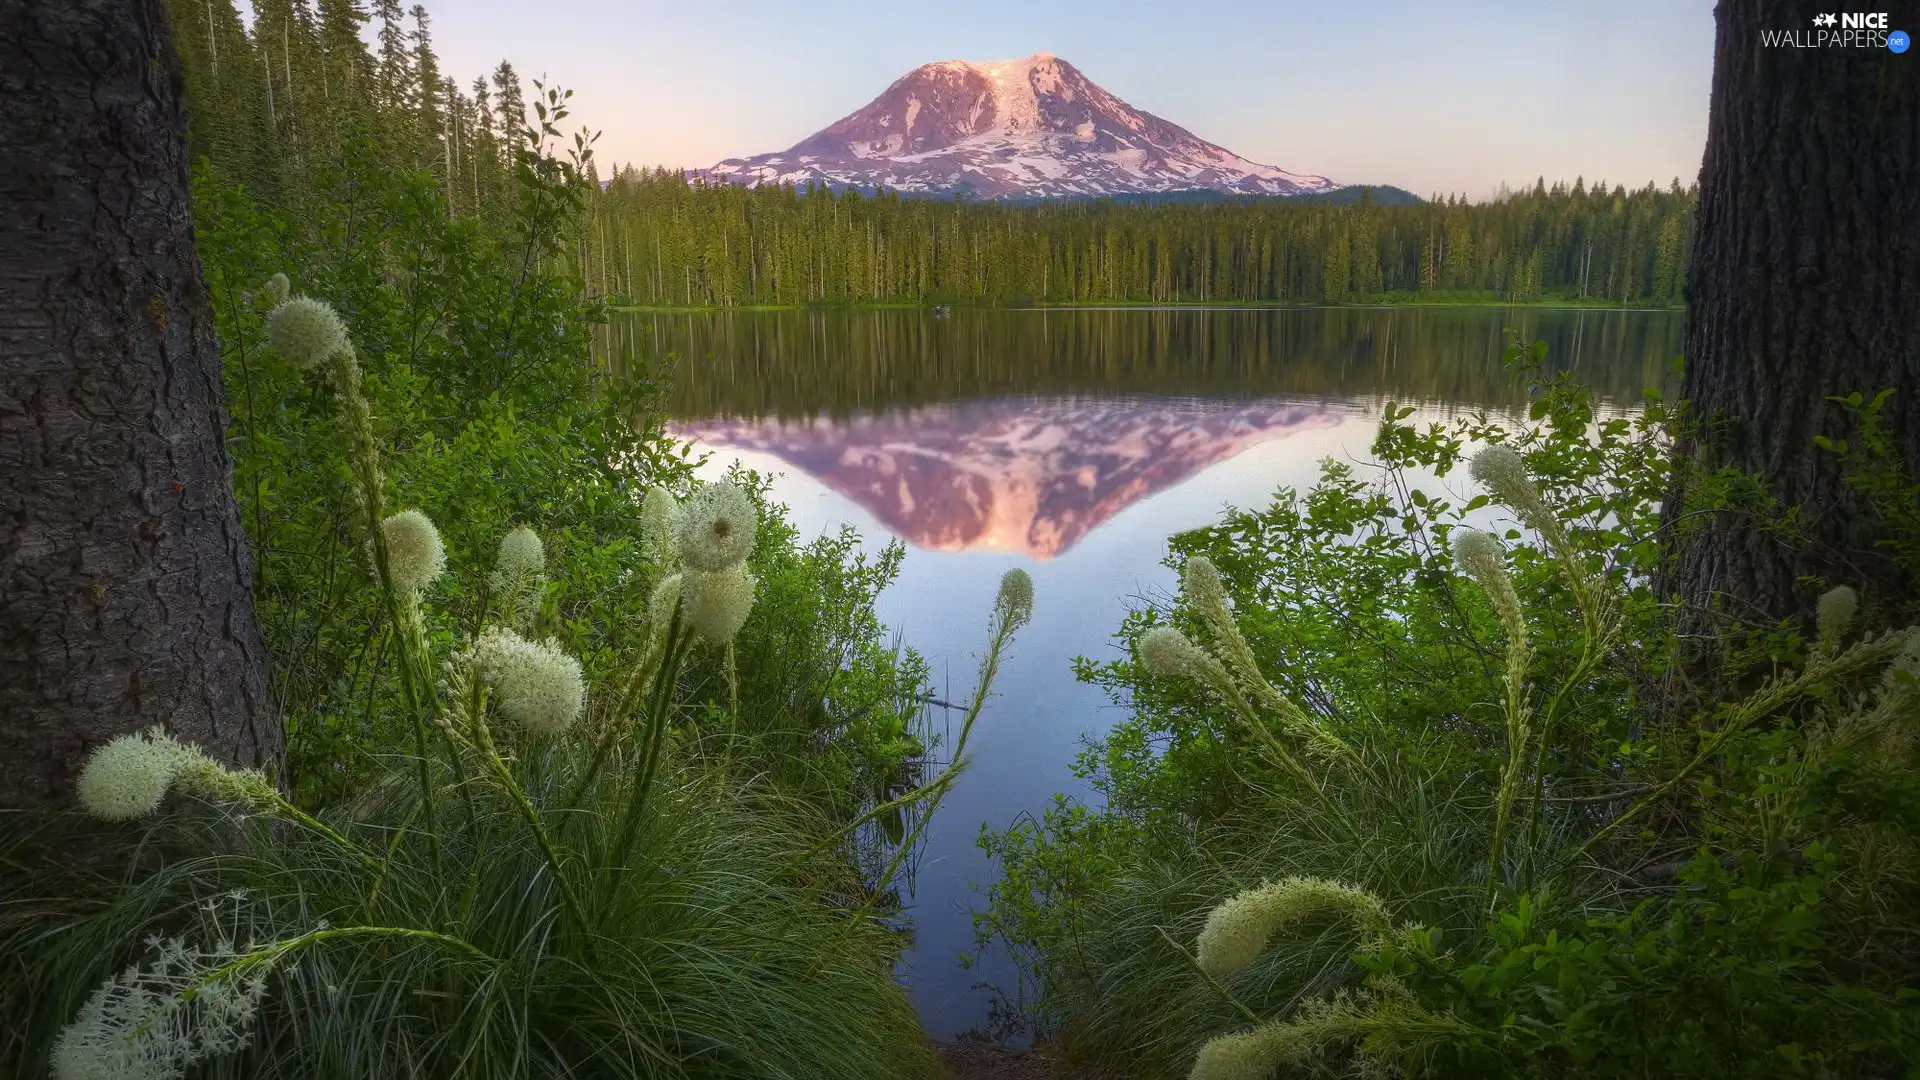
838, 363
1072, 444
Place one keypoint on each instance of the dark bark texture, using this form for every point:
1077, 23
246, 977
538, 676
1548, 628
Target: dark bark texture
1805, 283
125, 581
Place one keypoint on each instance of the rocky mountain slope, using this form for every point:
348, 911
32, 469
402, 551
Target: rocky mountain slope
1032, 128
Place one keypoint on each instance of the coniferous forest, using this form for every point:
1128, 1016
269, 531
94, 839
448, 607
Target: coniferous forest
277, 104
654, 240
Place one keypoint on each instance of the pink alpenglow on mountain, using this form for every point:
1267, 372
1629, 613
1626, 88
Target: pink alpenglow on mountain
1030, 476
1033, 128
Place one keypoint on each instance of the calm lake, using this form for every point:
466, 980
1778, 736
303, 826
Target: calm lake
1072, 443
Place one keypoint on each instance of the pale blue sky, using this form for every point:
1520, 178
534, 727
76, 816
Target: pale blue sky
1425, 94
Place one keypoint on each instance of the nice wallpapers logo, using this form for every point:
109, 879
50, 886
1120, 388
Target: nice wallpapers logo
1846, 30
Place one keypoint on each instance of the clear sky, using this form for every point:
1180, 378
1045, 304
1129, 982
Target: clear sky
1429, 95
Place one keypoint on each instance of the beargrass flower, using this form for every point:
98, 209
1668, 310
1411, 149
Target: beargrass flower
415, 554
1503, 472
715, 529
519, 576
1237, 930
661, 605
1482, 558
276, 288
1200, 581
1015, 600
716, 602
306, 331
1168, 653
155, 1023
208, 778
540, 687
1835, 610
130, 776
659, 520
1244, 1055
521, 554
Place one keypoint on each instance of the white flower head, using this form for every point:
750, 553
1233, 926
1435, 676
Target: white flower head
519, 577
306, 331
1168, 653
660, 606
415, 554
156, 1023
1503, 472
1835, 611
541, 688
1200, 580
659, 520
130, 776
716, 528
1237, 930
1482, 557
276, 288
521, 553
1014, 603
1241, 1055
716, 602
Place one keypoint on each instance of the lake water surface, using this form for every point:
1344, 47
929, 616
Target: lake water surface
1071, 443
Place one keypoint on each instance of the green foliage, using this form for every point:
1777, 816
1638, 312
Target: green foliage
657, 241
830, 705
1728, 894
724, 951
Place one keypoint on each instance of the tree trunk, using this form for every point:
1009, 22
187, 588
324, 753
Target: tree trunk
125, 582
1804, 284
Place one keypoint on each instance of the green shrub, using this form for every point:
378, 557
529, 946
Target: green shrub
534, 887
1576, 884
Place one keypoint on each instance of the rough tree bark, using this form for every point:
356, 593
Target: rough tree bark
125, 581
1805, 283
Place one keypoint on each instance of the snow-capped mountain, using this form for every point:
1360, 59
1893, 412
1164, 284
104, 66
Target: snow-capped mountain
1034, 128
1030, 476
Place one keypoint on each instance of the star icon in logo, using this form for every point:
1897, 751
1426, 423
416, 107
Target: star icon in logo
1824, 20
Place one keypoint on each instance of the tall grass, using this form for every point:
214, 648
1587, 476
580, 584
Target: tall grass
714, 958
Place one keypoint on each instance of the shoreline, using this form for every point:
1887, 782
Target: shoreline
1123, 305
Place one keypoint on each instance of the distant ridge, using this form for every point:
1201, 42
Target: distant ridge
1035, 128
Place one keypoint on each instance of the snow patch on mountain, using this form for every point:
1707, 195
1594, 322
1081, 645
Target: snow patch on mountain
1035, 127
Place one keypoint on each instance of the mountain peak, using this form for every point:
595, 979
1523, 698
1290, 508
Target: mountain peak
1033, 127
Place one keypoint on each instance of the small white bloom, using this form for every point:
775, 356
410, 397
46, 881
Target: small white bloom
142, 1025
276, 288
716, 528
1237, 930
521, 553
306, 331
1168, 653
1200, 581
130, 776
415, 554
1481, 557
660, 606
659, 520
1503, 472
541, 688
519, 577
1835, 612
1015, 601
716, 602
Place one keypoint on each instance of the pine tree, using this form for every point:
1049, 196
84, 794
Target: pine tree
428, 94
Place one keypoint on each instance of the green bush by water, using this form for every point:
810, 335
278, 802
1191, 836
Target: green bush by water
1581, 875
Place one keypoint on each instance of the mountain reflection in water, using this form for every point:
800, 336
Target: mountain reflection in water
1070, 444
1021, 475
